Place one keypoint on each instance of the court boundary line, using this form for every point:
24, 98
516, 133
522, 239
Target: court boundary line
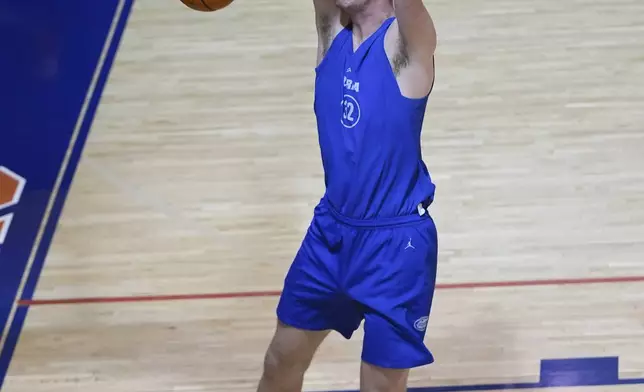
274, 293
553, 373
514, 386
54, 204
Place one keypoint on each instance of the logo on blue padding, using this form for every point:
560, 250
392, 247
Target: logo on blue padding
11, 187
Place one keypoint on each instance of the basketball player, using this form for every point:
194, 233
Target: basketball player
371, 249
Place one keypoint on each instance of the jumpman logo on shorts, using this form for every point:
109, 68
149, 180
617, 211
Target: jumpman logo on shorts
409, 245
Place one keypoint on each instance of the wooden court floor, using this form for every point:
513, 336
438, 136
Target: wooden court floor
202, 169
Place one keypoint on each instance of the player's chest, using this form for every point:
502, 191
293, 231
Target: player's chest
356, 99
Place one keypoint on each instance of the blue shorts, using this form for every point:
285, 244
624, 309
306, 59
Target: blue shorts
382, 272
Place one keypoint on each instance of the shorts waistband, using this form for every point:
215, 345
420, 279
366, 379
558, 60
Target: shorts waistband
421, 216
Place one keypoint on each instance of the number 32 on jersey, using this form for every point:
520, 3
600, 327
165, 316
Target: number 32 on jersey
350, 111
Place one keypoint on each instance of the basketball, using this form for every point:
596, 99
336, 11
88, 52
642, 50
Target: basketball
207, 5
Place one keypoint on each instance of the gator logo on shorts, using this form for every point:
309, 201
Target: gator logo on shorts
11, 187
421, 324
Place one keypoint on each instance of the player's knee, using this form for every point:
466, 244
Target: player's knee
376, 379
382, 387
280, 363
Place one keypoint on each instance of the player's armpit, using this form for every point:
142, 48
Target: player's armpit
328, 23
417, 32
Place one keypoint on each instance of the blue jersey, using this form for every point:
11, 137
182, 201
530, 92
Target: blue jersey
369, 133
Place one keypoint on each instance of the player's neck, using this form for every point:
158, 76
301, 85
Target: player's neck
366, 21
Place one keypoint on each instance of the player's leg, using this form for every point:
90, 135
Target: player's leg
376, 379
397, 294
309, 307
288, 357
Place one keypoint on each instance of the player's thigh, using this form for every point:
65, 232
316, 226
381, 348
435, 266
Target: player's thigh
292, 348
377, 379
310, 299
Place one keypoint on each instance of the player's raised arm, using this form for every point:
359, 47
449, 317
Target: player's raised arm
416, 30
418, 43
328, 22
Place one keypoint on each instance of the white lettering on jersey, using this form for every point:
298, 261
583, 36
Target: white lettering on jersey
351, 85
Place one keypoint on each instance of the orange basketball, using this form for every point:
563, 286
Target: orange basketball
207, 5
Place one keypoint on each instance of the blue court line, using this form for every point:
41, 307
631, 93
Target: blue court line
15, 328
568, 372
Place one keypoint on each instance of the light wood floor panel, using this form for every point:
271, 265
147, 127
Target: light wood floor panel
477, 337
203, 157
